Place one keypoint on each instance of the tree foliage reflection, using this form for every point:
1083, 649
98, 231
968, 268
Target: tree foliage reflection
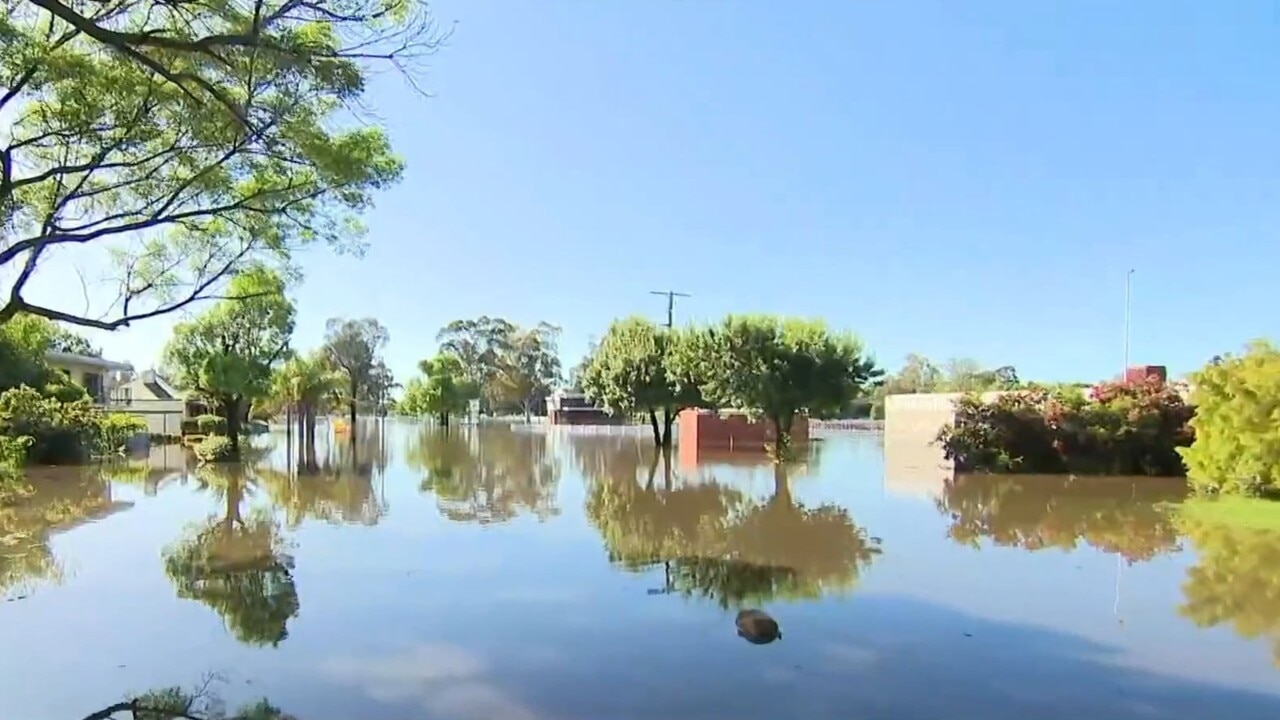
236, 565
1235, 581
715, 542
1123, 516
486, 476
59, 499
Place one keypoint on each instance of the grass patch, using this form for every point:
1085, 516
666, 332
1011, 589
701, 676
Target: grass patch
1236, 512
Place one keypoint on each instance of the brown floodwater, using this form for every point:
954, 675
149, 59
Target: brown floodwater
522, 574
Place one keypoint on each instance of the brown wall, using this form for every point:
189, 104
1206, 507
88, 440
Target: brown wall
705, 430
583, 417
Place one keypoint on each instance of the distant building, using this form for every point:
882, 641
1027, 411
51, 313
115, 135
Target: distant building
574, 408
99, 377
163, 406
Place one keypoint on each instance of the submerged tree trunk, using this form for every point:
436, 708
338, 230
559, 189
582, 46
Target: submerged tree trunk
232, 413
351, 407
667, 419
444, 421
657, 432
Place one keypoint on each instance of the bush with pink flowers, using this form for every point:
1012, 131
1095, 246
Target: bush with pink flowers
1116, 429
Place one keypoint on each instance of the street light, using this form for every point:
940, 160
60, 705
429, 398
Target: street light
1128, 294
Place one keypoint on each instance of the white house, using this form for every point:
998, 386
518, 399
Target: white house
99, 377
150, 396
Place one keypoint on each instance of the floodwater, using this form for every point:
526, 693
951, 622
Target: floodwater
518, 575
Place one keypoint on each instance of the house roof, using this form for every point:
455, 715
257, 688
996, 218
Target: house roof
66, 358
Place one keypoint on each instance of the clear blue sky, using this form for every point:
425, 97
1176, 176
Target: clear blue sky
957, 179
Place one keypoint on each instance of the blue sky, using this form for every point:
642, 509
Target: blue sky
956, 179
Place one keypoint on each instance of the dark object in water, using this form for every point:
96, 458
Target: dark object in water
757, 628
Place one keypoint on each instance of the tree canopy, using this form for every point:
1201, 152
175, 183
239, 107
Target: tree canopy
354, 348
513, 367
227, 354
442, 392
189, 141
630, 371
777, 367
1236, 448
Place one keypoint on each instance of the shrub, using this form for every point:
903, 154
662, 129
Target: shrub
1121, 429
214, 448
211, 424
115, 430
1237, 449
13, 454
60, 432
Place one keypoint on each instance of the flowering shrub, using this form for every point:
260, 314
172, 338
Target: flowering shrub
1119, 429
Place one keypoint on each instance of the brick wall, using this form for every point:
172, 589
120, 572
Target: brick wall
702, 430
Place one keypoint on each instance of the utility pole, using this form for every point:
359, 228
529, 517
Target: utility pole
671, 303
1128, 294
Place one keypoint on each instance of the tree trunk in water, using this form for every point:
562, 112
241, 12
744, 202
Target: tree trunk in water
657, 432
781, 486
667, 419
232, 414
352, 408
444, 421
311, 438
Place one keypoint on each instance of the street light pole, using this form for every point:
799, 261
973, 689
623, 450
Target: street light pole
1128, 294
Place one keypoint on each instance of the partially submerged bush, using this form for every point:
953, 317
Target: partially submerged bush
214, 448
1120, 429
211, 424
115, 430
1237, 448
13, 454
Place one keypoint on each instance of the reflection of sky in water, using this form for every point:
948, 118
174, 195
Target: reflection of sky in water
419, 616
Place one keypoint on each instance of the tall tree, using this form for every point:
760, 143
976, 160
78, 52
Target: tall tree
480, 345
631, 371
191, 140
530, 367
354, 348
227, 354
776, 367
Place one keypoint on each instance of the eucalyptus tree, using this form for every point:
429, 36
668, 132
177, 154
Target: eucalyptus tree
354, 348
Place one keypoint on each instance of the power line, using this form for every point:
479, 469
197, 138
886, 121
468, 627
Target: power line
671, 303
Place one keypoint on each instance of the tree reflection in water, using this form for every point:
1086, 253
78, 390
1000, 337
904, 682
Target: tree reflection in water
238, 566
339, 489
715, 542
175, 703
1122, 516
1235, 581
488, 476
61, 499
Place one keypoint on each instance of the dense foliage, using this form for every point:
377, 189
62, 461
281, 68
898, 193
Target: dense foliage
631, 371
215, 448
513, 368
227, 354
1237, 446
189, 141
1117, 429
777, 368
442, 392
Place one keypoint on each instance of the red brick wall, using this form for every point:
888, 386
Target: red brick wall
705, 430
1140, 373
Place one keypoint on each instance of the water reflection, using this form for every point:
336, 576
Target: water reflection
1123, 516
61, 500
1235, 581
411, 614
716, 542
509, 473
236, 565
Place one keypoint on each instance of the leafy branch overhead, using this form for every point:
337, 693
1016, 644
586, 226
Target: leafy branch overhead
190, 140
